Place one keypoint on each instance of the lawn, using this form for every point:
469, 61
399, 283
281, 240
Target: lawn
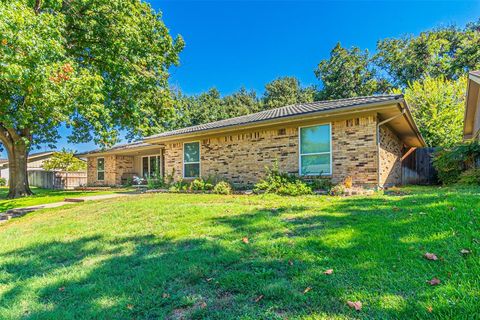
246, 257
43, 196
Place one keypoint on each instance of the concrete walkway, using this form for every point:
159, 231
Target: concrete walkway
18, 212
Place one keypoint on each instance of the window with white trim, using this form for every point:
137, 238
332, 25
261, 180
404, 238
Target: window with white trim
100, 169
151, 166
191, 160
315, 150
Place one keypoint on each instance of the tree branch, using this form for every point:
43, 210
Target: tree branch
38, 4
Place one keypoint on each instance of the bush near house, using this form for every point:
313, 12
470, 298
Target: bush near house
3, 182
450, 163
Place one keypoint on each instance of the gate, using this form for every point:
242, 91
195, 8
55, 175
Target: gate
56, 179
417, 167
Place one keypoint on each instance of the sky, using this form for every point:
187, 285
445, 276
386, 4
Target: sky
230, 44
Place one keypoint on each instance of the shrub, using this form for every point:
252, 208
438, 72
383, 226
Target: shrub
470, 177
281, 183
320, 184
450, 163
222, 187
337, 190
153, 183
178, 186
3, 182
200, 185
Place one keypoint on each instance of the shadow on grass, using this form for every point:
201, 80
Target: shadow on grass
366, 242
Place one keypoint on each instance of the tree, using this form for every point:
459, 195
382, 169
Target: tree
64, 160
241, 103
348, 73
285, 91
96, 66
438, 107
448, 52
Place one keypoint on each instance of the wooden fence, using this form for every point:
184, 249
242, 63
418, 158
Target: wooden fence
417, 167
56, 179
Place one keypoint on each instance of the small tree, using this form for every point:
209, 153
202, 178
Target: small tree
65, 161
438, 107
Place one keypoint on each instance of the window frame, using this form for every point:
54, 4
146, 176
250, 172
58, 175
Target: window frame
156, 156
300, 154
199, 159
98, 171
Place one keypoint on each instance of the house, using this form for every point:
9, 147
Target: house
363, 137
34, 162
471, 127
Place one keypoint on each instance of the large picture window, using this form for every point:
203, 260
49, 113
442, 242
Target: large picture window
315, 150
100, 169
151, 166
191, 160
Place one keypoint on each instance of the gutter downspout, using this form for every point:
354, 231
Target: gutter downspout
378, 142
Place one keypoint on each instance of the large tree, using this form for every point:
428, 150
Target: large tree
448, 52
96, 66
348, 73
285, 91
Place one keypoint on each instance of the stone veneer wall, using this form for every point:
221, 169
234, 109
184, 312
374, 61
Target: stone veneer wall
115, 167
241, 158
390, 158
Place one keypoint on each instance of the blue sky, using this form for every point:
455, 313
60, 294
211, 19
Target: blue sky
230, 44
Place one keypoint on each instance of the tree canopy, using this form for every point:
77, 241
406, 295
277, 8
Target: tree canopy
96, 66
64, 160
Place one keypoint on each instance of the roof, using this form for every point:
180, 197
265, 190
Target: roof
283, 112
31, 157
118, 147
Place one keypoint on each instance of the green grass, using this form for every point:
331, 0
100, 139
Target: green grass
181, 256
42, 196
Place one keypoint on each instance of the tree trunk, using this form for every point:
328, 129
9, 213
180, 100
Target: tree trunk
17, 164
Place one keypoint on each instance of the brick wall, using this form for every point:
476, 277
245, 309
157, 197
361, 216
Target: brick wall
241, 158
115, 167
390, 154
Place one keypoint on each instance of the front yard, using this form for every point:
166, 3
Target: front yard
44, 196
250, 257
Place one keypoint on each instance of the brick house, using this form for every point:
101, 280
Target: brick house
362, 137
471, 128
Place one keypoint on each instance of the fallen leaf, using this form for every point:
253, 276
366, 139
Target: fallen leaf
465, 251
165, 295
203, 305
61, 289
434, 282
430, 256
4, 42
290, 262
130, 306
357, 305
245, 240
307, 289
329, 271
453, 208
396, 209
422, 213
429, 309
260, 297
209, 279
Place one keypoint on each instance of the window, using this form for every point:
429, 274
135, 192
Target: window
151, 166
315, 150
100, 169
191, 160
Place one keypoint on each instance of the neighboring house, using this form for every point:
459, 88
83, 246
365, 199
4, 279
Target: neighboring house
35, 162
471, 128
362, 137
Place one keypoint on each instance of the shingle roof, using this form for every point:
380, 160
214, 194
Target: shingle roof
288, 111
123, 146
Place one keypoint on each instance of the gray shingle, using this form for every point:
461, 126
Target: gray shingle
288, 111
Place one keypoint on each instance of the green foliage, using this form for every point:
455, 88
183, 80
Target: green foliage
348, 73
448, 52
338, 190
65, 161
223, 187
200, 185
154, 183
285, 91
179, 186
470, 177
451, 162
324, 184
281, 183
438, 107
3, 182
